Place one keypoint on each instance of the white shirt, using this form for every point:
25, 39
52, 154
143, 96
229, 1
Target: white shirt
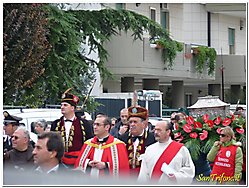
68, 125
54, 169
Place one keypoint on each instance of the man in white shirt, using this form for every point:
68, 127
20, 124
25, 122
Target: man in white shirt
48, 152
166, 161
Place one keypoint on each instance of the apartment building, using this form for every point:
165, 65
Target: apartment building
136, 65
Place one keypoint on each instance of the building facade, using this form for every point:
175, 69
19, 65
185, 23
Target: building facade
136, 65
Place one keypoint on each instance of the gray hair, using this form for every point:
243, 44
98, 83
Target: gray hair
25, 131
42, 123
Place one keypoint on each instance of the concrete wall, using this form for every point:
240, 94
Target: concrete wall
194, 24
235, 69
219, 35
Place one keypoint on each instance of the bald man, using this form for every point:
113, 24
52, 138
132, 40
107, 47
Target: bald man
121, 127
166, 161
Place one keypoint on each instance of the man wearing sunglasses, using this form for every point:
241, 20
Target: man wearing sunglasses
227, 158
20, 157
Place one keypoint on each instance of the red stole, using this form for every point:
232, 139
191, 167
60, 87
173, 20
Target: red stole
114, 152
166, 157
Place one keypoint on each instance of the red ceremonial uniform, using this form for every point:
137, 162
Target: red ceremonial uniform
225, 161
80, 131
113, 152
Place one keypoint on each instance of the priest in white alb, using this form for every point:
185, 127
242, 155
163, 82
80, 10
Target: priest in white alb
166, 161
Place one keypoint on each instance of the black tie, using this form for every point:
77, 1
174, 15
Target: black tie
135, 137
68, 120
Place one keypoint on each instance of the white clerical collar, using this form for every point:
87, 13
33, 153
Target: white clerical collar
101, 139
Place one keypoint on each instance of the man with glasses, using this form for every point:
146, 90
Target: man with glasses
103, 154
10, 125
166, 161
227, 158
20, 157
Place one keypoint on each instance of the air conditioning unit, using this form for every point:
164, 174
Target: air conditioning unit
164, 6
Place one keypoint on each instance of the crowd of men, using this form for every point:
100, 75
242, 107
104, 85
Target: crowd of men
74, 151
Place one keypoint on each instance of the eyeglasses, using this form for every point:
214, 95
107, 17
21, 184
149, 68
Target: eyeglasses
98, 124
15, 137
223, 135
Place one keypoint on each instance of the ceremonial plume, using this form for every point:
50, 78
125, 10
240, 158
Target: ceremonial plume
135, 98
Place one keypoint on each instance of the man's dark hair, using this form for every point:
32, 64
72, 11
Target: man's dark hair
171, 128
55, 143
107, 121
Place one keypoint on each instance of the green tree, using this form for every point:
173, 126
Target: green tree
25, 47
68, 64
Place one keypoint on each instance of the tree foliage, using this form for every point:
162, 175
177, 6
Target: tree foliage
68, 64
25, 47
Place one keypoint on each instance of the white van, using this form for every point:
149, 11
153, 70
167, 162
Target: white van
31, 115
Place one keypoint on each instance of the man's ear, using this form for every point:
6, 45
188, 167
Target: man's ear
53, 154
107, 127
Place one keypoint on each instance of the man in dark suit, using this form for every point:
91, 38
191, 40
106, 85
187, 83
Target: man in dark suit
74, 130
10, 125
137, 139
121, 126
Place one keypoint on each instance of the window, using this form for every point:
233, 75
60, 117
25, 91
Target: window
165, 19
164, 15
153, 13
231, 40
120, 6
188, 99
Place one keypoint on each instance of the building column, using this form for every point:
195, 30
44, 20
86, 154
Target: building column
235, 93
151, 84
214, 90
177, 94
127, 84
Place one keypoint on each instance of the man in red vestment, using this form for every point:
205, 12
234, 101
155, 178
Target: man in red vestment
103, 154
74, 130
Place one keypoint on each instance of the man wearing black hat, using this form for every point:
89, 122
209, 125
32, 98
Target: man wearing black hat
137, 139
74, 130
10, 125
